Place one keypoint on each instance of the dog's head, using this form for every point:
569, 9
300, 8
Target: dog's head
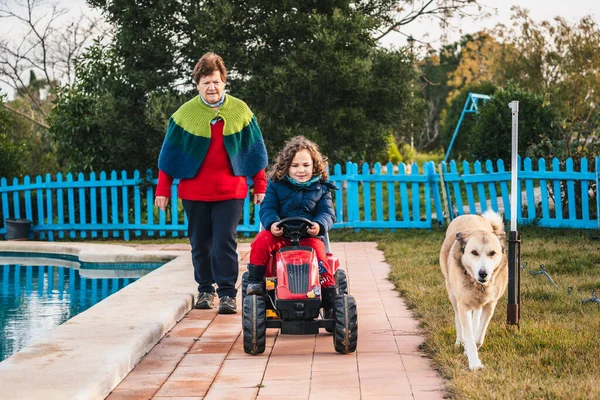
481, 253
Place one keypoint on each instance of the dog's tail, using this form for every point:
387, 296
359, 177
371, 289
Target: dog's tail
494, 219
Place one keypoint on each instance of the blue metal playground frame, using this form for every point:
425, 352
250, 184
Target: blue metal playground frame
469, 107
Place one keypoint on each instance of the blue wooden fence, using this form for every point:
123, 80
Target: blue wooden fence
378, 196
390, 196
559, 195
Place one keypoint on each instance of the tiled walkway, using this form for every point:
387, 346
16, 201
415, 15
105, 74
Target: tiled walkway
203, 356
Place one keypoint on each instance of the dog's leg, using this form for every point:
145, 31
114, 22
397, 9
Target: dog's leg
485, 318
459, 337
476, 318
466, 321
470, 317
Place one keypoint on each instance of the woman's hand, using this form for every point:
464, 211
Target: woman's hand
275, 230
314, 229
258, 198
161, 202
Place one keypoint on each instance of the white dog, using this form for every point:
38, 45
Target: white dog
475, 268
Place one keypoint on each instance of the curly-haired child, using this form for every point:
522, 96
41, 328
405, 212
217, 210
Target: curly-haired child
297, 187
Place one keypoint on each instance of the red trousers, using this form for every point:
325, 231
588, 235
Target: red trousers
265, 244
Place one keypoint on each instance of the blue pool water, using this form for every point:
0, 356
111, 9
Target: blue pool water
40, 292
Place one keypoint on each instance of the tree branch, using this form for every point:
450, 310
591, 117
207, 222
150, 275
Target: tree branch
19, 113
46, 45
409, 18
20, 85
441, 11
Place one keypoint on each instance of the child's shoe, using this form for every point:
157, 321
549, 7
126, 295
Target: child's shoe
255, 289
328, 302
256, 280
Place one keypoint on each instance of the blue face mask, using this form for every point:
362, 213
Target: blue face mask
303, 184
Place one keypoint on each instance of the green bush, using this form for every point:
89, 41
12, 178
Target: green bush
407, 153
393, 154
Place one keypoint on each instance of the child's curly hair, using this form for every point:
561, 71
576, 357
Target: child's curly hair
284, 159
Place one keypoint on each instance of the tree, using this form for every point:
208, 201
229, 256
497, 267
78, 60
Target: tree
38, 153
103, 121
47, 47
43, 48
24, 136
538, 125
11, 149
346, 98
304, 67
558, 61
434, 70
477, 65
447, 77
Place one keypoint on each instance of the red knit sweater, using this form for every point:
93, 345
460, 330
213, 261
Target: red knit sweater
214, 180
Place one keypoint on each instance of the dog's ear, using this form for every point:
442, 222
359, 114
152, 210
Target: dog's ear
462, 239
501, 234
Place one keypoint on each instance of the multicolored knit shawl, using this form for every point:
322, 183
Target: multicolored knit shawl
188, 137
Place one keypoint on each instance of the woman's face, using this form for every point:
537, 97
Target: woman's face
211, 87
301, 168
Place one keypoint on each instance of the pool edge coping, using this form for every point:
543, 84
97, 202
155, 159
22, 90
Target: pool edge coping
88, 356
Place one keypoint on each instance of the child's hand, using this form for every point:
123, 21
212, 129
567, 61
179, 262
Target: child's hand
275, 230
314, 229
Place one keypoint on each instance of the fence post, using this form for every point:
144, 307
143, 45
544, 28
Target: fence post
435, 190
598, 191
447, 208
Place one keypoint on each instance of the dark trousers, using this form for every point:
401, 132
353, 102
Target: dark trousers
212, 230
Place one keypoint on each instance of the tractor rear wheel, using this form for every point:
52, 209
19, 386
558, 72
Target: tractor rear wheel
345, 331
254, 323
244, 284
341, 281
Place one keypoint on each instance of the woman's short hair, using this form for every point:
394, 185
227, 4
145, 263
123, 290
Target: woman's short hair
207, 65
284, 159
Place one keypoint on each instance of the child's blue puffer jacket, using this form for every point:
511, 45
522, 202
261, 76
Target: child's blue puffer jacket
285, 199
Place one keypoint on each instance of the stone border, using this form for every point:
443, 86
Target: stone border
87, 356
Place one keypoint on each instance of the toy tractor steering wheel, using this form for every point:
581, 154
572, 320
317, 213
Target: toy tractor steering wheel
294, 228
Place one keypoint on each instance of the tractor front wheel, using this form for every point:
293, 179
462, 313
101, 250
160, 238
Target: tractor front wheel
345, 331
254, 323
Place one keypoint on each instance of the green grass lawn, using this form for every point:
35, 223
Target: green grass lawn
556, 352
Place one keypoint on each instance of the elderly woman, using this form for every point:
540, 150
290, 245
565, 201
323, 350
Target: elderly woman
212, 144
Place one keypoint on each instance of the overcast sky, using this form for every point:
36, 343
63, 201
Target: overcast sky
422, 30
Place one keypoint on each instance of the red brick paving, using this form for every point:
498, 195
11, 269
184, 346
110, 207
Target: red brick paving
203, 358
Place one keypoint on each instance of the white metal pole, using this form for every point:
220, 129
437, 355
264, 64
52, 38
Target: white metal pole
514, 106
513, 312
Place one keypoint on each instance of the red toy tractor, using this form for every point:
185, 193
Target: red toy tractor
292, 301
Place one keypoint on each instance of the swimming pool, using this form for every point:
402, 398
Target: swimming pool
38, 292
